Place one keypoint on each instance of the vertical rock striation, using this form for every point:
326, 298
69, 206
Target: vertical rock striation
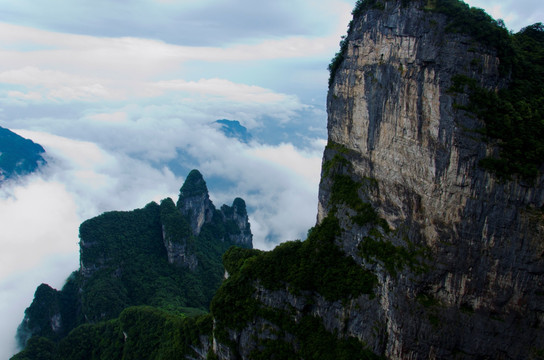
194, 201
194, 210
439, 259
393, 122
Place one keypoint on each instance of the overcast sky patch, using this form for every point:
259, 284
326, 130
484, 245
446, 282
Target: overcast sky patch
122, 95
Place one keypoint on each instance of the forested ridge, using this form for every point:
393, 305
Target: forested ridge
128, 296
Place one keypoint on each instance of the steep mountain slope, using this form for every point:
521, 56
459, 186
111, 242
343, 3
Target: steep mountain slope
429, 237
164, 256
400, 122
18, 156
438, 209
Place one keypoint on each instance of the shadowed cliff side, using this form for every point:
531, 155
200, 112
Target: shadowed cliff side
404, 119
438, 244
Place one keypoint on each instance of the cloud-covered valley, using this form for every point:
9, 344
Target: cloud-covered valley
129, 167
124, 97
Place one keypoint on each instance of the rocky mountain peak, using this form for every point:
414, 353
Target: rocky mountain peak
194, 201
235, 217
422, 250
239, 206
194, 185
126, 259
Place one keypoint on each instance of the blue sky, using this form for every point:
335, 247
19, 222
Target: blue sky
123, 96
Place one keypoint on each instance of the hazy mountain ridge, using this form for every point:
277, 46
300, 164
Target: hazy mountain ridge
233, 129
18, 156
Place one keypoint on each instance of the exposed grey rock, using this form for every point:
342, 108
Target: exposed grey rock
392, 121
178, 252
389, 106
201, 349
194, 201
195, 205
237, 214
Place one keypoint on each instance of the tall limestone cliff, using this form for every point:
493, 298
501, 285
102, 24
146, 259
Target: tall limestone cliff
194, 201
441, 257
396, 126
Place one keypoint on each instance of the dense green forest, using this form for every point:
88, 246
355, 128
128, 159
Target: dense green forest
160, 327
513, 116
146, 332
141, 332
127, 287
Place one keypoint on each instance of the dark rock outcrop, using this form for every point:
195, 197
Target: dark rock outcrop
237, 221
42, 316
195, 205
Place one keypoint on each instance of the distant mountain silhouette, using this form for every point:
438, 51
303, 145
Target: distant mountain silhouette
233, 129
18, 156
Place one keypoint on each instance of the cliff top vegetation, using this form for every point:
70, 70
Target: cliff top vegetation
513, 116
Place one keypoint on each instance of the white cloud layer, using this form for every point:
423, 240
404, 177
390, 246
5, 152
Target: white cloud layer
83, 179
56, 64
516, 14
228, 90
39, 242
119, 100
37, 217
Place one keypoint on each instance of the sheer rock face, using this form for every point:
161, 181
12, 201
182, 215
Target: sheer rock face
194, 201
195, 205
178, 252
200, 210
392, 116
237, 214
46, 303
394, 130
